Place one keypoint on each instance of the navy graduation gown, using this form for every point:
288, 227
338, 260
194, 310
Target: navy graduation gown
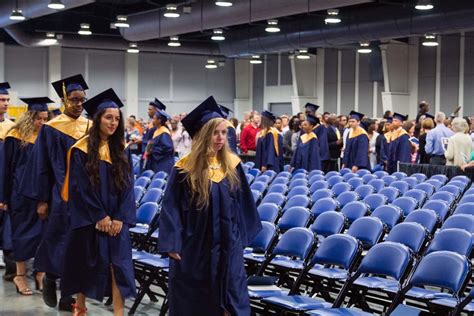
43, 180
232, 137
210, 277
356, 152
161, 153
90, 253
269, 151
5, 226
307, 155
399, 149
322, 133
26, 226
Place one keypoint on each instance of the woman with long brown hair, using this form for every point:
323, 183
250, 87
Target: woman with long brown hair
208, 216
99, 191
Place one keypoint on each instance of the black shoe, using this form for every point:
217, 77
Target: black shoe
50, 297
109, 301
65, 303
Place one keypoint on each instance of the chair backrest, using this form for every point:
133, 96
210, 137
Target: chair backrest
355, 182
297, 200
427, 218
299, 176
406, 203
331, 174
152, 195
264, 238
463, 179
250, 164
318, 185
160, 175
418, 195
412, 235
142, 182
254, 172
436, 183
316, 177
347, 197
364, 190
459, 184
256, 195
295, 216
377, 184
463, 221
281, 180
412, 181
363, 172
263, 178
469, 192
465, 208
301, 190
298, 171
452, 239
388, 259
440, 207
339, 249
440, 177
349, 176
368, 177
375, 200
321, 193
338, 188
443, 269
328, 223
420, 177
467, 199
334, 180
390, 193
249, 178
428, 188
388, 214
315, 172
158, 184
399, 175
147, 173
367, 229
277, 188
295, 242
354, 210
389, 179
453, 189
259, 186
268, 212
345, 171
298, 183
138, 192
401, 185
146, 212
323, 205
380, 174
270, 173
443, 196
283, 174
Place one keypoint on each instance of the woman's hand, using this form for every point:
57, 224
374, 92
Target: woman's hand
174, 255
116, 228
104, 225
42, 210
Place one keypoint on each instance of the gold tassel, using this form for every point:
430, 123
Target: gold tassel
65, 100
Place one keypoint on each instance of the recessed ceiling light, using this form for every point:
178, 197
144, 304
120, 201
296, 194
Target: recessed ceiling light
133, 48
255, 60
17, 15
56, 5
332, 17
171, 11
430, 40
424, 5
211, 64
272, 26
121, 21
218, 35
224, 3
364, 48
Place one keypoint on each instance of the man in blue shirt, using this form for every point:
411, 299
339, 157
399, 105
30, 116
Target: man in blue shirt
435, 138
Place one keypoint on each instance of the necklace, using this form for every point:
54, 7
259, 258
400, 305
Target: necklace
214, 164
215, 167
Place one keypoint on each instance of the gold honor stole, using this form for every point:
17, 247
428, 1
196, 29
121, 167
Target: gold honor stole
388, 136
5, 126
75, 128
229, 124
104, 155
14, 133
307, 137
399, 132
160, 131
275, 134
215, 175
357, 132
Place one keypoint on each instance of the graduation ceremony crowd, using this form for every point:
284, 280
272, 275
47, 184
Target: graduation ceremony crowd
67, 199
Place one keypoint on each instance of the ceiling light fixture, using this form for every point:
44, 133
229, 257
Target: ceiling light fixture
133, 48
171, 11
218, 35
56, 5
332, 17
272, 26
121, 21
430, 40
364, 48
174, 41
211, 64
303, 54
256, 60
17, 15
424, 5
85, 29
224, 3
50, 39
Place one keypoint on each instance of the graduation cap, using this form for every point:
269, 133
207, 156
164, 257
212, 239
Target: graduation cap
389, 120
73, 83
356, 115
162, 114
56, 112
400, 117
104, 100
225, 110
312, 106
313, 120
158, 104
37, 104
203, 113
3, 87
428, 115
269, 115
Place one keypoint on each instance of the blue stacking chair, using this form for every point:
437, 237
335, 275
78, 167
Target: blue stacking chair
142, 182
443, 196
375, 200
256, 196
399, 175
388, 180
345, 171
377, 184
368, 177
297, 200
138, 192
160, 175
465, 208
463, 221
263, 178
452, 239
412, 181
281, 180
428, 188
295, 216
331, 174
453, 189
390, 193
363, 172
298, 171
440, 207
338, 188
463, 179
467, 199
316, 177
268, 212
347, 197
427, 218
270, 173
152, 195
317, 185
368, 230
469, 191
157, 184
412, 235
406, 204
254, 172
259, 186
444, 270
364, 190
457, 304
355, 182
440, 177
249, 178
334, 180
460, 184
299, 190
298, 183
275, 198
380, 174
321, 193
283, 174
255, 252
299, 176
354, 210
146, 215
349, 176
328, 223
437, 184
389, 215
147, 173
250, 164
400, 185
315, 172
420, 177
286, 168
278, 188
323, 205
418, 195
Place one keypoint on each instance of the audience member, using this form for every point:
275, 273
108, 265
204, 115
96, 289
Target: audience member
459, 147
436, 140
